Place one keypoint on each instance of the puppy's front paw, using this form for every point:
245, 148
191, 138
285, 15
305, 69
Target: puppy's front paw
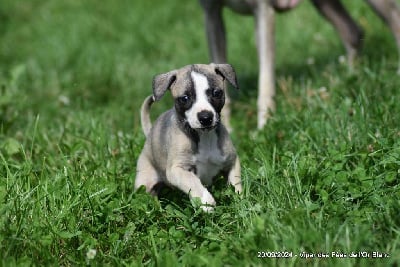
238, 188
207, 209
207, 201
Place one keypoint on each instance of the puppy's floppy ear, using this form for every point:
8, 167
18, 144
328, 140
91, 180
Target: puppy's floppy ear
162, 82
226, 71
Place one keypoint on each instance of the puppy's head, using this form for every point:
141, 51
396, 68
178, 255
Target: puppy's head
198, 91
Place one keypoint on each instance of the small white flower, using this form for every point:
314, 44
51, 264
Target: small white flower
342, 59
64, 100
91, 254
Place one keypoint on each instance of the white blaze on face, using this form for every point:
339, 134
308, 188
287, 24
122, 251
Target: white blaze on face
201, 103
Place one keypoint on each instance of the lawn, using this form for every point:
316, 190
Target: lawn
322, 178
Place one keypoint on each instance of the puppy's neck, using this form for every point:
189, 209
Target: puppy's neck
206, 132
206, 136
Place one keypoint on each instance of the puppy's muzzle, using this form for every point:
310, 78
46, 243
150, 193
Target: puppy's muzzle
205, 118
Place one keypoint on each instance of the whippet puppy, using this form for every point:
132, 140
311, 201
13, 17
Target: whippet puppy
188, 145
263, 11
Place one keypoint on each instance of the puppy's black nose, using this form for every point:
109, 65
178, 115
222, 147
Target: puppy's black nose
205, 118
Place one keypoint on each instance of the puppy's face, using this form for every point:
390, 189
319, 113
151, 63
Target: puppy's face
200, 100
198, 92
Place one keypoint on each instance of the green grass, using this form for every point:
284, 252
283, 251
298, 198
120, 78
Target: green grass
323, 176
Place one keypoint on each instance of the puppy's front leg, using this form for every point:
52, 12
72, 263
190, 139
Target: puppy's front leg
189, 183
264, 15
234, 176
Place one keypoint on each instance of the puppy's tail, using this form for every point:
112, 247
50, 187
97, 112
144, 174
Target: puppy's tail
145, 115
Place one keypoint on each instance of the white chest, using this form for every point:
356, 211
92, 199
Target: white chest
209, 159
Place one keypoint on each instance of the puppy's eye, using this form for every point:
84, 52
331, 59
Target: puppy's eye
184, 99
217, 93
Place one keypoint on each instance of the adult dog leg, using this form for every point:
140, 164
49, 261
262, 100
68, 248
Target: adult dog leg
389, 11
215, 30
350, 33
265, 24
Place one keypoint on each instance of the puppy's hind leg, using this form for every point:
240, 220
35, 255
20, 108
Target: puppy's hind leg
146, 176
